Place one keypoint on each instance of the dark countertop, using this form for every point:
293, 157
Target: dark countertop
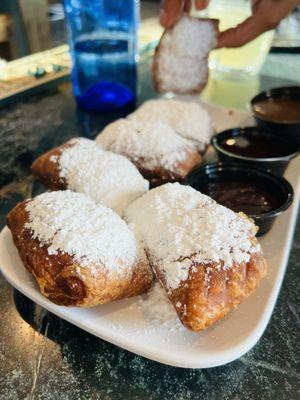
44, 357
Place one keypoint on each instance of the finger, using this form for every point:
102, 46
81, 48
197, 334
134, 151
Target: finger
243, 33
254, 5
201, 4
170, 12
187, 6
262, 21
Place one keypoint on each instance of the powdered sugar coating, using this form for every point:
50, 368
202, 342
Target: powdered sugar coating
188, 119
92, 234
188, 227
181, 61
155, 144
157, 307
109, 179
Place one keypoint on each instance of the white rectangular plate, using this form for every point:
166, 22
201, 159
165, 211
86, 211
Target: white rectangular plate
127, 324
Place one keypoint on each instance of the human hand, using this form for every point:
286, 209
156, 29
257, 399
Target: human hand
266, 15
171, 10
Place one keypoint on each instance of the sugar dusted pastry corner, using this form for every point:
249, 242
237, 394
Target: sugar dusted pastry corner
205, 256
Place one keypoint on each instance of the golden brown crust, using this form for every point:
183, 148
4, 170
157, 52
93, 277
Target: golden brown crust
158, 86
159, 175
66, 282
200, 302
47, 171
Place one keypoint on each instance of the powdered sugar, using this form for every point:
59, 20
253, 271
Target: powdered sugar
156, 305
152, 317
188, 119
187, 228
154, 144
181, 62
72, 223
108, 178
54, 158
193, 37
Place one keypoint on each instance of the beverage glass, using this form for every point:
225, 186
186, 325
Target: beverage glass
103, 45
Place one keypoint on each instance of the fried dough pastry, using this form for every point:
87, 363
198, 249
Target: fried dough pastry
188, 119
205, 256
180, 62
82, 166
80, 253
158, 152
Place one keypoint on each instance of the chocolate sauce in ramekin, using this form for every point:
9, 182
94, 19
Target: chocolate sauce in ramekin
278, 109
250, 198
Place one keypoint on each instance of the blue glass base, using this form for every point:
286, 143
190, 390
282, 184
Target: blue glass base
105, 96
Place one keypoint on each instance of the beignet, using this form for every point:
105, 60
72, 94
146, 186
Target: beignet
205, 256
155, 148
180, 62
80, 253
188, 119
82, 166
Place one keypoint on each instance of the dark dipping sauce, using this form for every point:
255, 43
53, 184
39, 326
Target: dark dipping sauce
257, 145
280, 109
248, 197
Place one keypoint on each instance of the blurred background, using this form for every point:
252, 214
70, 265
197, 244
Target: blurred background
30, 26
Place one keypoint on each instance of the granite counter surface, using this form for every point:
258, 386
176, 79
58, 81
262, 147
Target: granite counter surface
44, 357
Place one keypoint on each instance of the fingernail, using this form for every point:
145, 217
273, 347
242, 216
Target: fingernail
201, 4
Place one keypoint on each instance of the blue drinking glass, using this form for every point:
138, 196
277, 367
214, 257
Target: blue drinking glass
103, 45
